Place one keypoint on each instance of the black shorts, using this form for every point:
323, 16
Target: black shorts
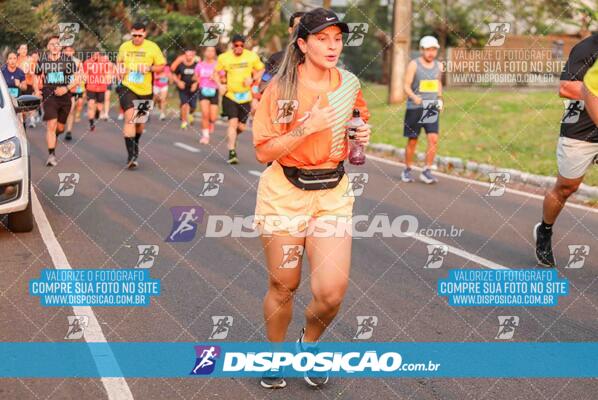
188, 97
233, 109
213, 99
414, 123
97, 96
126, 97
29, 90
77, 96
56, 107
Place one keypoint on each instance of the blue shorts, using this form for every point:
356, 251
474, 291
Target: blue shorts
415, 120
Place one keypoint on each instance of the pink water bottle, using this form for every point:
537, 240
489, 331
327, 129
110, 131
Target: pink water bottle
356, 150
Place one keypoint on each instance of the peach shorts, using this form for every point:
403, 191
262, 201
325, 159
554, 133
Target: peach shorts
284, 209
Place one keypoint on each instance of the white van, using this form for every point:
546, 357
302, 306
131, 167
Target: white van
15, 169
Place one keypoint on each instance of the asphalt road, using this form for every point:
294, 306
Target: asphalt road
112, 210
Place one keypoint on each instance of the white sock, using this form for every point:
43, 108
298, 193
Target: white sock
205, 132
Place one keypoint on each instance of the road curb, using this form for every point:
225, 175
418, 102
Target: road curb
459, 166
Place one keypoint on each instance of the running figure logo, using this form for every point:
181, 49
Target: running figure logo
365, 326
184, 223
205, 360
356, 183
147, 255
291, 255
357, 32
77, 325
577, 255
506, 326
436, 254
67, 31
142, 111
212, 32
573, 109
66, 183
211, 183
429, 112
286, 111
498, 33
498, 183
221, 326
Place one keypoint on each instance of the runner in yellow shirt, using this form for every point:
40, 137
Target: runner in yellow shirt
239, 70
137, 59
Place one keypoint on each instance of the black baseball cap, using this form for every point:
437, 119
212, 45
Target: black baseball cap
237, 37
317, 20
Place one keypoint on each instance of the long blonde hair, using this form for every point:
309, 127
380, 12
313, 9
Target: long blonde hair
286, 77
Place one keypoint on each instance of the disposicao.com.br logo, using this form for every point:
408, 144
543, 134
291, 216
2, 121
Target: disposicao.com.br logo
217, 361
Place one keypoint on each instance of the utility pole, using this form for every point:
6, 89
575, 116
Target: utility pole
401, 40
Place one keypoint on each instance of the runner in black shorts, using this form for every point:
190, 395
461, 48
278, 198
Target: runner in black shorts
239, 70
186, 81
97, 74
137, 59
59, 75
208, 93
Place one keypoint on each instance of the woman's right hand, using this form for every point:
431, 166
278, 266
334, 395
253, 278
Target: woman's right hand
320, 118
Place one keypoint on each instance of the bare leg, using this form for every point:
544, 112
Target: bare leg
283, 282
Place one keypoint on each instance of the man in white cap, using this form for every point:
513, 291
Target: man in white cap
424, 103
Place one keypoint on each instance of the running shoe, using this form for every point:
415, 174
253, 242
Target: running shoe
132, 163
204, 140
191, 119
427, 177
232, 157
121, 117
313, 379
92, 128
68, 136
272, 380
543, 240
52, 162
184, 125
162, 116
406, 175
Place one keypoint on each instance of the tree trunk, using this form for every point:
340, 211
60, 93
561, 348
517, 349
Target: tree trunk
401, 39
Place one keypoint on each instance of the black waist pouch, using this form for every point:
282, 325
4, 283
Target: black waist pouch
314, 179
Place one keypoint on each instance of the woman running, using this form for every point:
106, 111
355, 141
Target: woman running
300, 128
161, 80
208, 93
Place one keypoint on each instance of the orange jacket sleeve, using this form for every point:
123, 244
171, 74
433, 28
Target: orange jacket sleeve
263, 128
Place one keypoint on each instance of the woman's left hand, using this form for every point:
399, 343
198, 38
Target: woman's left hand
362, 134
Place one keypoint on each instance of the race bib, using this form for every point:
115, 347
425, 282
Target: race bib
79, 89
55, 77
430, 85
208, 92
13, 91
135, 77
163, 79
188, 71
243, 96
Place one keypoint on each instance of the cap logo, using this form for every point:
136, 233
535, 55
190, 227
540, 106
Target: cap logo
330, 18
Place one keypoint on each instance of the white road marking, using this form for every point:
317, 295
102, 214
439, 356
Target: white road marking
116, 388
187, 147
484, 184
254, 172
462, 253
